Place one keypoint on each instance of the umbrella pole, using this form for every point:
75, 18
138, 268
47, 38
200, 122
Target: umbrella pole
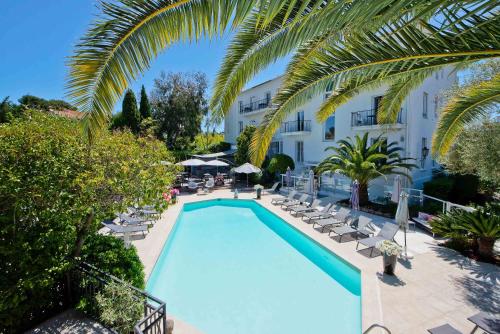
247, 180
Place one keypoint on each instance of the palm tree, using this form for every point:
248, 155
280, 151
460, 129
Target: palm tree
349, 45
360, 161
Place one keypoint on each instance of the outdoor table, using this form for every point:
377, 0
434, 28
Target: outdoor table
487, 322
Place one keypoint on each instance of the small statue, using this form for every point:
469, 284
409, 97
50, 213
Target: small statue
236, 193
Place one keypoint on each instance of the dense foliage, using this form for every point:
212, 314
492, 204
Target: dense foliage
54, 190
144, 105
179, 105
476, 152
38, 103
110, 255
122, 319
360, 161
131, 117
279, 163
482, 226
243, 141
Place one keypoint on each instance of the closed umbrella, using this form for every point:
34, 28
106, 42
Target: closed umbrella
288, 176
396, 189
247, 168
402, 215
311, 182
355, 195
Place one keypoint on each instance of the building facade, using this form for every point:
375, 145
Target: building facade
303, 138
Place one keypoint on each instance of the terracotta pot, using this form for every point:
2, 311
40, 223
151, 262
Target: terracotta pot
390, 263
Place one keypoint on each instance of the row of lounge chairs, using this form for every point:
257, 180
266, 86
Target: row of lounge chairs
135, 220
337, 220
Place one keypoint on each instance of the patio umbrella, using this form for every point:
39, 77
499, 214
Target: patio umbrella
311, 182
355, 195
402, 215
192, 162
216, 163
247, 168
396, 189
288, 176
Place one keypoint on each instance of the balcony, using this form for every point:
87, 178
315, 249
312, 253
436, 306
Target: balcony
368, 118
255, 105
295, 127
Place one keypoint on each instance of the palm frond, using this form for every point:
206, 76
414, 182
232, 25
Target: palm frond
476, 101
129, 34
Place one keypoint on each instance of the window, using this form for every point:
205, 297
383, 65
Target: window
329, 130
376, 103
425, 106
240, 123
423, 155
300, 121
327, 95
268, 98
436, 105
276, 147
240, 103
299, 151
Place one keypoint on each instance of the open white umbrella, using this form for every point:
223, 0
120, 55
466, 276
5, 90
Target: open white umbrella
216, 163
247, 168
402, 215
192, 162
396, 189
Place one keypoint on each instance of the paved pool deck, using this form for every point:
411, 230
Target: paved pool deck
436, 286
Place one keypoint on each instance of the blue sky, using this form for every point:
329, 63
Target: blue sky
36, 37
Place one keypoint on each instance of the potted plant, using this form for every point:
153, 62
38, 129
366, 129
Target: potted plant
258, 188
173, 195
390, 251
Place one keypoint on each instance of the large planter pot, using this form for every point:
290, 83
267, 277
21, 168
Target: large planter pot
259, 193
390, 263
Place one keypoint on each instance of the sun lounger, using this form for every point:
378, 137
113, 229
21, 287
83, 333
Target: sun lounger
303, 198
444, 329
339, 218
362, 228
490, 323
283, 199
387, 232
318, 213
271, 190
120, 229
299, 209
132, 220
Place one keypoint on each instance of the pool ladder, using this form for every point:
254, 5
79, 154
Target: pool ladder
377, 326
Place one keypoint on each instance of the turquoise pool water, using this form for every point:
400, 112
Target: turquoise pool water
232, 266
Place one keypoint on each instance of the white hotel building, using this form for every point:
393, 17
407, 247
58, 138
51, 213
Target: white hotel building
305, 140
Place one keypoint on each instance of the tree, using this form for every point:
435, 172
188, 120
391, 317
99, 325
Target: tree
179, 105
279, 163
360, 161
476, 152
243, 141
350, 45
144, 106
130, 114
38, 103
55, 189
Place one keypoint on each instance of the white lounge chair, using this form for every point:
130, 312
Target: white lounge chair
387, 232
271, 190
339, 218
300, 209
363, 228
282, 199
120, 229
318, 213
303, 198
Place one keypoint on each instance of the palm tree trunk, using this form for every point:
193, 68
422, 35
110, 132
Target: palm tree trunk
363, 194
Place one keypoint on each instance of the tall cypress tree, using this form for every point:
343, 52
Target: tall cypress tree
144, 106
130, 113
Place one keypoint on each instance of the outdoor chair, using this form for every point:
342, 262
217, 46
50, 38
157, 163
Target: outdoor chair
120, 229
490, 323
339, 218
192, 186
444, 329
303, 198
210, 184
387, 232
300, 209
318, 213
132, 220
282, 199
363, 228
271, 190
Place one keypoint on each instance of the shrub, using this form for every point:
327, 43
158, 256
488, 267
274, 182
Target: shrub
243, 141
279, 163
118, 307
219, 147
110, 255
439, 187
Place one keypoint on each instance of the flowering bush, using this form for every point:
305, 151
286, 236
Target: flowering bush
174, 192
388, 247
258, 186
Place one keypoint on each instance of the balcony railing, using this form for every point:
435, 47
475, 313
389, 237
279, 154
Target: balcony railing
255, 105
296, 126
368, 117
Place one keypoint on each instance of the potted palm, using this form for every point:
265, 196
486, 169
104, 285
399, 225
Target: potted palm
390, 251
258, 189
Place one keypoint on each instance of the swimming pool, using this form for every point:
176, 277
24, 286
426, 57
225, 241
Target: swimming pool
232, 266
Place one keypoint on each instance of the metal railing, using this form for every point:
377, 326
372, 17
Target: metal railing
369, 117
296, 126
255, 105
87, 281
